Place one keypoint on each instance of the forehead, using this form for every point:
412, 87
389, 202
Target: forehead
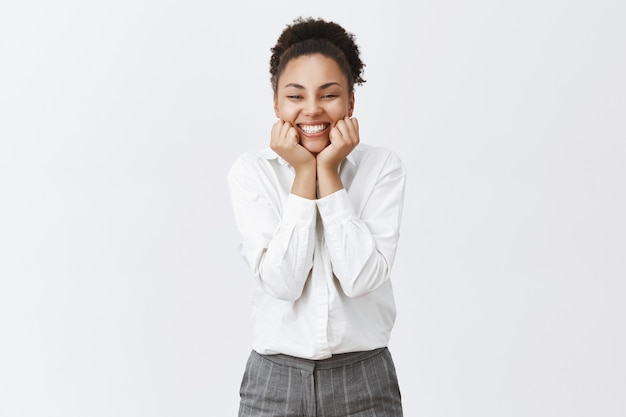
312, 71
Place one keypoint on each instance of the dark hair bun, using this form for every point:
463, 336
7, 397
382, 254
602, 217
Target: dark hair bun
305, 29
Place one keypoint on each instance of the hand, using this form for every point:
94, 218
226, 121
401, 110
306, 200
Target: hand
344, 137
286, 143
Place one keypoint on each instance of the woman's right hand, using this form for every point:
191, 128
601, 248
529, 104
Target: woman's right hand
285, 141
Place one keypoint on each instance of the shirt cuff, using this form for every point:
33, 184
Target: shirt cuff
335, 208
300, 211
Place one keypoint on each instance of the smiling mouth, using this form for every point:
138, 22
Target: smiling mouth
314, 129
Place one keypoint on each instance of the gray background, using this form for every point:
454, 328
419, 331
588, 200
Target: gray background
122, 292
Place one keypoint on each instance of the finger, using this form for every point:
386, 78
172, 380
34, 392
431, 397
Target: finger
345, 134
276, 127
352, 129
355, 125
292, 135
284, 129
335, 134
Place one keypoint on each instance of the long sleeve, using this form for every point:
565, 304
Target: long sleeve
320, 268
362, 233
277, 228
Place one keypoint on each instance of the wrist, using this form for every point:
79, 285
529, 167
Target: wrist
327, 167
328, 180
306, 168
304, 181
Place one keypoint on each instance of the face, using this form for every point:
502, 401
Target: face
312, 94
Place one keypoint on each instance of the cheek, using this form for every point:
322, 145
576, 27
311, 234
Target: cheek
285, 112
340, 111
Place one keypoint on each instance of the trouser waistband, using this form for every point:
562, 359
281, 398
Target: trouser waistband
335, 361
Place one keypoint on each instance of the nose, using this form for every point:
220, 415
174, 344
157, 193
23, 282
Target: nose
312, 107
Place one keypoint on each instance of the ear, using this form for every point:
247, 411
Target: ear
351, 108
276, 112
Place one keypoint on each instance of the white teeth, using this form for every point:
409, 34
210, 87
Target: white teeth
312, 129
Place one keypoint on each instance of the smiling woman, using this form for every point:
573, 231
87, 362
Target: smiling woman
309, 99
319, 216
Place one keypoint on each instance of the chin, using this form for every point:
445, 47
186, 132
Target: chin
315, 147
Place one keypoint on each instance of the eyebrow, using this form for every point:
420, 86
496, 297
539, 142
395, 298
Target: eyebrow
322, 87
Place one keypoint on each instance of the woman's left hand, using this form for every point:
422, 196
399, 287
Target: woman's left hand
344, 137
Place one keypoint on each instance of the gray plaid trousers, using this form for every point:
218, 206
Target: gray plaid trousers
360, 384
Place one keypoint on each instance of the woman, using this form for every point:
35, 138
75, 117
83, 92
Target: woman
319, 216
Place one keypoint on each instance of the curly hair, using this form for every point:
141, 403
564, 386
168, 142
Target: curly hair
308, 36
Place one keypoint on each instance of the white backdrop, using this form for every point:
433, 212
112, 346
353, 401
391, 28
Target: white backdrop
122, 292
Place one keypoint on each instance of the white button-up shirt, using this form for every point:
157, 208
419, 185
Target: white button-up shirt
321, 268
